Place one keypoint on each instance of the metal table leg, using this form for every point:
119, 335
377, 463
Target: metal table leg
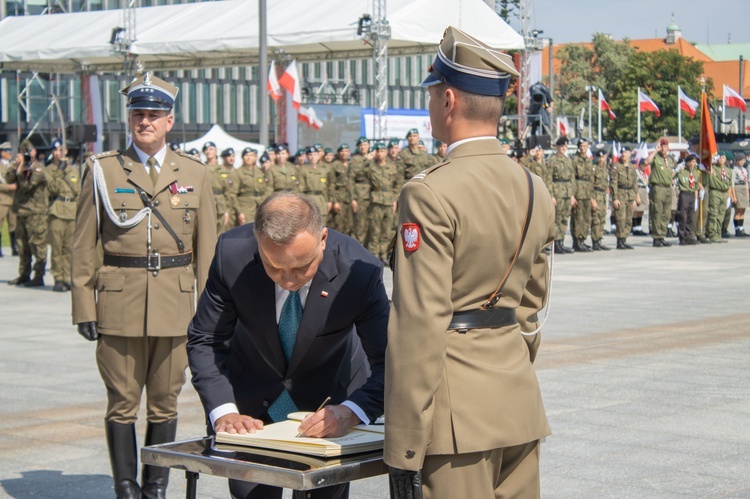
191, 486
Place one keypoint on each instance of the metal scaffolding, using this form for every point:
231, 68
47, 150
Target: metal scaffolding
376, 31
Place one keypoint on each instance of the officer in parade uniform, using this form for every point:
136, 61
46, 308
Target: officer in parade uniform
625, 196
358, 174
63, 187
599, 215
254, 186
7, 192
314, 181
153, 215
563, 191
341, 216
688, 182
414, 158
385, 183
660, 192
462, 402
580, 220
30, 203
719, 183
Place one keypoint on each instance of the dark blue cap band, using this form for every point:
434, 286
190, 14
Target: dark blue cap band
441, 72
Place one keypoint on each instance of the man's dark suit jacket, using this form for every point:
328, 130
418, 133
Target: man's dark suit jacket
233, 341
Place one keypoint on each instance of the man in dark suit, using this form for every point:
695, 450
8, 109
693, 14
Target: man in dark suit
288, 272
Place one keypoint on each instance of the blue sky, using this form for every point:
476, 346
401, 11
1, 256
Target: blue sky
700, 20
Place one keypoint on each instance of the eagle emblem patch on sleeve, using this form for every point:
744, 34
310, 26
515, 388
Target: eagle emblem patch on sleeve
411, 234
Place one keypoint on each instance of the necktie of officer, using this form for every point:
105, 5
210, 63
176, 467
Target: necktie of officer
289, 321
151, 162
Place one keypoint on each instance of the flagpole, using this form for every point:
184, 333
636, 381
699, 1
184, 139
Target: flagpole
679, 117
263, 73
638, 101
599, 132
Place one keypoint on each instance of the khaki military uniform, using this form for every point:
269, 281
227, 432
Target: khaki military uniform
563, 187
385, 184
340, 192
436, 158
254, 188
285, 178
30, 203
450, 393
414, 162
314, 183
63, 187
134, 307
660, 195
580, 224
6, 201
222, 199
601, 185
719, 183
361, 187
624, 188
232, 180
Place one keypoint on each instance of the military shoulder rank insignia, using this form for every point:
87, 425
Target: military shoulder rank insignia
411, 234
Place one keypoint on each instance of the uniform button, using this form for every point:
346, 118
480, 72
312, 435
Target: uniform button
123, 203
156, 226
410, 454
156, 203
265, 403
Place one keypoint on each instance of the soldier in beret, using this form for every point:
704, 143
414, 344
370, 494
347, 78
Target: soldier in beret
341, 217
7, 192
254, 186
688, 183
229, 177
361, 188
463, 407
563, 190
440, 149
152, 212
414, 158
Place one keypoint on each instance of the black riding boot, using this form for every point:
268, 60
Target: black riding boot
123, 456
155, 478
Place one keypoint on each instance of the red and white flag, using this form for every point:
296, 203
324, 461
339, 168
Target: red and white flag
563, 127
274, 89
605, 105
641, 153
733, 99
307, 115
686, 103
646, 104
291, 83
615, 152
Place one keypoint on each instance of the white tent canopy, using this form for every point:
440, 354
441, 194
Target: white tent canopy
225, 33
223, 140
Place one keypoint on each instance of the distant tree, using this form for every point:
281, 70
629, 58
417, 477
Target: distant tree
507, 9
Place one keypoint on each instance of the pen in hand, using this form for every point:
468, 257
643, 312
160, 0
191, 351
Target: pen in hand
328, 399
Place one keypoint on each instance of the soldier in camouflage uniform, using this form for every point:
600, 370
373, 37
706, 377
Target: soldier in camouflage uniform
535, 164
599, 215
415, 159
63, 187
563, 191
361, 186
440, 150
580, 224
385, 184
625, 197
253, 186
30, 203
314, 181
284, 176
341, 217
719, 183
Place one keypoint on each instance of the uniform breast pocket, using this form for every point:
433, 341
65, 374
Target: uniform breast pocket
184, 211
125, 204
109, 300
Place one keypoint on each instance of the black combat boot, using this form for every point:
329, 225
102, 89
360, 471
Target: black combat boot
59, 287
123, 456
601, 246
620, 243
19, 281
36, 282
578, 246
153, 478
13, 244
665, 243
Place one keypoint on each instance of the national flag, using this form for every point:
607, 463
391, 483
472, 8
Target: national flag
733, 99
274, 89
641, 153
563, 126
307, 115
616, 152
708, 140
605, 105
686, 103
646, 104
291, 83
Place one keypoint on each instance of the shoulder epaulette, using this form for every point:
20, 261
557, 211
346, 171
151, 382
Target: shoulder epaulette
421, 175
106, 154
184, 154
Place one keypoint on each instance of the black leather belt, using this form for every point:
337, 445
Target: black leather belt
624, 186
317, 193
561, 181
483, 319
600, 190
65, 199
156, 261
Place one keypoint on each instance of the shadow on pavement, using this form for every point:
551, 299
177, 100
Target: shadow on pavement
53, 483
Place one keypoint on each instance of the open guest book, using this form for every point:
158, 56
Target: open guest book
282, 436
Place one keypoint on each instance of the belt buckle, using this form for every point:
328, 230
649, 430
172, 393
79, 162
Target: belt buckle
153, 258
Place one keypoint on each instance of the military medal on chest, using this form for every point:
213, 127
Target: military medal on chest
175, 201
